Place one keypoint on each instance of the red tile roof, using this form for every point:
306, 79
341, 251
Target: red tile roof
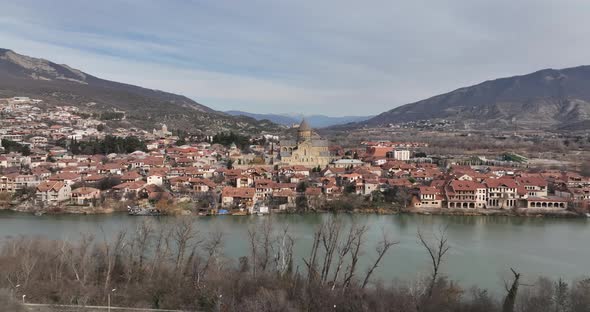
457, 185
505, 182
50, 186
135, 185
532, 181
313, 191
238, 192
84, 191
283, 193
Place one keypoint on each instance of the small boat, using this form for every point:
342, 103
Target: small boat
39, 213
143, 211
587, 215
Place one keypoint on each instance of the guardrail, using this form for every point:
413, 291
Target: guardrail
66, 307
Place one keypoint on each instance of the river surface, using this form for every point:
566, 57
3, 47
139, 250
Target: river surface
483, 249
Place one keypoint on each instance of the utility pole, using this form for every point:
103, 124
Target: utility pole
109, 299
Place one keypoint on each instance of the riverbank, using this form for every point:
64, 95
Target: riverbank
186, 208
57, 210
523, 212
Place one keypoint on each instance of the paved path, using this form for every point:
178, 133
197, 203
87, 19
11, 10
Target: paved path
34, 307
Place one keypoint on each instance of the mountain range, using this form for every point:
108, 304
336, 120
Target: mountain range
57, 84
546, 99
316, 121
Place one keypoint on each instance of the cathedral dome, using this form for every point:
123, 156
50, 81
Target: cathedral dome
304, 126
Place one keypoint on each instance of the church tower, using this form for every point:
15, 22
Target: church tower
304, 132
308, 150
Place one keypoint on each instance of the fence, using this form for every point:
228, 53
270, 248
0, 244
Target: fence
37, 307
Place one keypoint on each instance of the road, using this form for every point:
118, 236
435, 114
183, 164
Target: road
33, 307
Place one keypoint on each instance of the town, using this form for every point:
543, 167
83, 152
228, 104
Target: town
62, 159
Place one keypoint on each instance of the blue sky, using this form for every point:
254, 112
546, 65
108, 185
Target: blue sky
336, 57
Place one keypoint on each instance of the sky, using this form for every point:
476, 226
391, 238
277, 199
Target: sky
333, 57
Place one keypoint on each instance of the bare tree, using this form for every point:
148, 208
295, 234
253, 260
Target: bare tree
266, 243
161, 250
436, 252
561, 299
141, 240
284, 252
330, 237
381, 250
112, 250
212, 247
355, 254
343, 250
183, 235
79, 257
61, 268
311, 263
510, 299
253, 238
28, 262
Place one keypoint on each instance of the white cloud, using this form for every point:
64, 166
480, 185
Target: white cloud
337, 57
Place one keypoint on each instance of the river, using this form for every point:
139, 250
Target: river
483, 249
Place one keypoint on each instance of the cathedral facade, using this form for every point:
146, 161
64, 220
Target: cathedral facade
307, 150
163, 132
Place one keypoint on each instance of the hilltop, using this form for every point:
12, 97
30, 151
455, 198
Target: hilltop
57, 84
546, 99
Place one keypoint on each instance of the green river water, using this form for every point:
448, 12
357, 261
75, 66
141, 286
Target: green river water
482, 248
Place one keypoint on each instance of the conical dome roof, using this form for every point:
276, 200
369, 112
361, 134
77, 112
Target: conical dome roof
304, 126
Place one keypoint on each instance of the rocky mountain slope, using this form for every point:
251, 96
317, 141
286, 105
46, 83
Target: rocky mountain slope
546, 99
57, 84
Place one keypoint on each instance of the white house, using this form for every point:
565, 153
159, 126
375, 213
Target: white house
155, 179
401, 155
345, 163
53, 192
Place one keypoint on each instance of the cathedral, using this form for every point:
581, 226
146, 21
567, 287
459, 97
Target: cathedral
163, 132
308, 150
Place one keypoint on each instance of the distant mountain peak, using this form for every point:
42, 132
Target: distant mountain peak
56, 84
41, 69
289, 119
